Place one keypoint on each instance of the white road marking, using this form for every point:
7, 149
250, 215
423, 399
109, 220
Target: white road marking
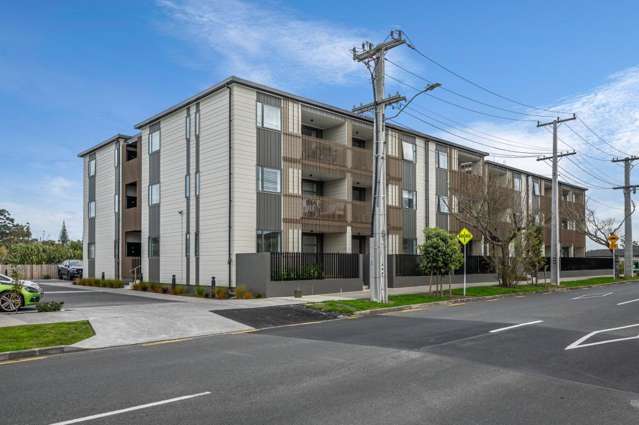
628, 302
131, 409
588, 296
515, 326
79, 291
578, 343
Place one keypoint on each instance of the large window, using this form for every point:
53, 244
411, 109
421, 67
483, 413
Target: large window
154, 194
312, 132
197, 122
268, 180
154, 247
311, 188
408, 199
116, 203
92, 209
269, 116
154, 140
442, 160
92, 167
410, 246
410, 152
443, 204
536, 188
116, 156
517, 182
359, 194
187, 186
187, 126
268, 241
197, 184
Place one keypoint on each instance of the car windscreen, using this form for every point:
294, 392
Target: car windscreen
75, 263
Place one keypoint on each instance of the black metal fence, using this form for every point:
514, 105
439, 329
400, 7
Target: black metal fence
583, 263
408, 265
306, 266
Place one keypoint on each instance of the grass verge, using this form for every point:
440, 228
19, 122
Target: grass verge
23, 337
352, 306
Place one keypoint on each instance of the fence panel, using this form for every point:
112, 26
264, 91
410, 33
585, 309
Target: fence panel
583, 263
31, 271
306, 266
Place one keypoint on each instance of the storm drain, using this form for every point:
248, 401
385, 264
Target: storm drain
266, 317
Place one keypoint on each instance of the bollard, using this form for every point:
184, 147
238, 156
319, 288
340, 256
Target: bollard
102, 275
212, 286
172, 282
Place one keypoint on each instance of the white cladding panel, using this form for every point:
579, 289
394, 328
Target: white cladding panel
420, 188
144, 199
104, 212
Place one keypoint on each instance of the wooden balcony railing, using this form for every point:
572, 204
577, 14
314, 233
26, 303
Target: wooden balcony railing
321, 208
323, 152
361, 212
362, 160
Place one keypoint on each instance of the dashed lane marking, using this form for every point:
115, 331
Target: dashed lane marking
516, 326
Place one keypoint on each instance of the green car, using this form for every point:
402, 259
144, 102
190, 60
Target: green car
10, 300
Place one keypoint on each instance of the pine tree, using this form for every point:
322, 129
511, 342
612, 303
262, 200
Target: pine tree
64, 235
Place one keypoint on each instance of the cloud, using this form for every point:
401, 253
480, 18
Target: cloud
267, 44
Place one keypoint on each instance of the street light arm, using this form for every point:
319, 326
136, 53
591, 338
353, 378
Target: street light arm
428, 88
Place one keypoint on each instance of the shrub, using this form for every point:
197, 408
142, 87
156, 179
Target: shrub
140, 286
156, 288
258, 295
107, 283
178, 290
46, 276
247, 295
44, 307
200, 292
240, 291
221, 293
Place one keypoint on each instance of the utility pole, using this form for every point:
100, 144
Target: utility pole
555, 265
628, 250
373, 58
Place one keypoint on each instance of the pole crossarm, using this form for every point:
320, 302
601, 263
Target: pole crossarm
556, 121
628, 158
559, 155
396, 98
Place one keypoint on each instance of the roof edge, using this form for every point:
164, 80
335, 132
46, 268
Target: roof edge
104, 143
521, 170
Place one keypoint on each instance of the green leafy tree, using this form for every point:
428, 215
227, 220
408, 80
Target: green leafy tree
440, 255
12, 232
43, 253
64, 235
533, 251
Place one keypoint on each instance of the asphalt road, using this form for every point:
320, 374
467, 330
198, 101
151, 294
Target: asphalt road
75, 297
462, 364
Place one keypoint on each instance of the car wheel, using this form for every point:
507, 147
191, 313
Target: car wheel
10, 301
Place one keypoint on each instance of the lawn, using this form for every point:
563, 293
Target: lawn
23, 337
352, 306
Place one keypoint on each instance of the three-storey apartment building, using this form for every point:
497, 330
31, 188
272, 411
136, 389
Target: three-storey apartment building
242, 168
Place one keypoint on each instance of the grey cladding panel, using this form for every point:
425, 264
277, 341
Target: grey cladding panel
269, 211
91, 235
269, 148
441, 183
408, 179
154, 221
268, 100
154, 167
442, 221
410, 223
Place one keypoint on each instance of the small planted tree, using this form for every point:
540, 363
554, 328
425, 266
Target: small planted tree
64, 234
533, 251
440, 255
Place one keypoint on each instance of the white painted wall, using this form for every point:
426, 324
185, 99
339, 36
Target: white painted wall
143, 202
432, 200
420, 188
104, 212
85, 214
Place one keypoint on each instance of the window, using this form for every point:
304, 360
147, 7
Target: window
443, 204
91, 249
116, 156
312, 188
268, 180
312, 132
442, 160
187, 186
154, 140
116, 203
133, 249
408, 199
92, 167
359, 194
187, 126
197, 184
409, 151
197, 122
154, 247
187, 244
410, 246
154, 194
268, 116
268, 241
517, 182
536, 189
92, 209
116, 248
196, 248
359, 143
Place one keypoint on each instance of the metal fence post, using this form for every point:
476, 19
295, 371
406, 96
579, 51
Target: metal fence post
212, 286
172, 281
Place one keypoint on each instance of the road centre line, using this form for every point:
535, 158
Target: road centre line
130, 409
628, 302
515, 326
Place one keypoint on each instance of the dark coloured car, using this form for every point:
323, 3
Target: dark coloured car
70, 269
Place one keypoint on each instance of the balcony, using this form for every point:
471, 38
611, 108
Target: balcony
131, 219
361, 160
361, 213
321, 208
319, 151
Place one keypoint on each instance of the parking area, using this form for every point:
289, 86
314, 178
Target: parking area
81, 297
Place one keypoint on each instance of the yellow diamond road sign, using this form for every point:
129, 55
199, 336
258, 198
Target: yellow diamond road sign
612, 241
464, 236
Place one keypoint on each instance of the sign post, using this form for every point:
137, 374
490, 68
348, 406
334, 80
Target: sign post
464, 236
612, 245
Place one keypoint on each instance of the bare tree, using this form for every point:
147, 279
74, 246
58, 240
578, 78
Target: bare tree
596, 228
495, 211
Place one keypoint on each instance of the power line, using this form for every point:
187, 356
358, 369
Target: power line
511, 111
479, 86
462, 106
600, 138
598, 177
587, 141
